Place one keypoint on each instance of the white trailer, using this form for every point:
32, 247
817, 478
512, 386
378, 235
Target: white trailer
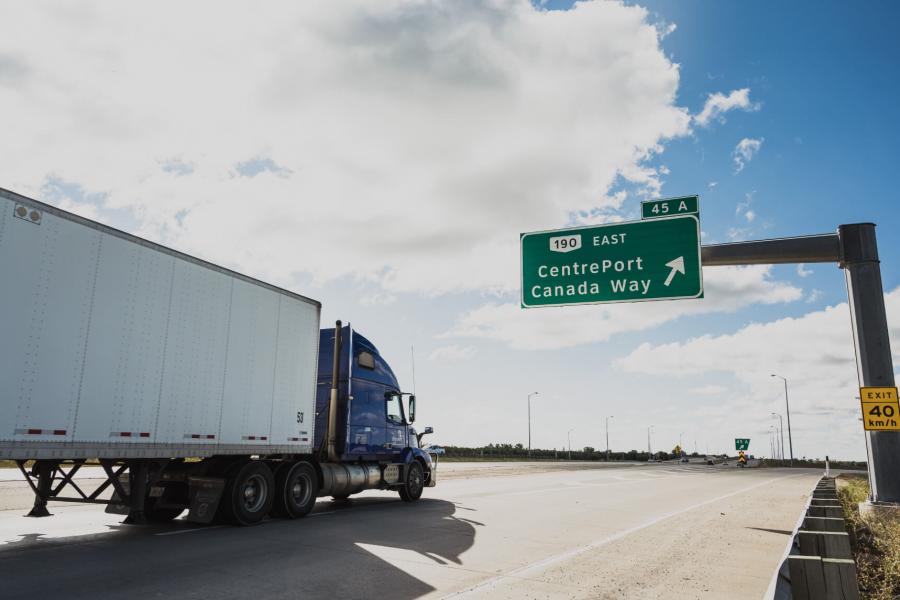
138, 351
119, 349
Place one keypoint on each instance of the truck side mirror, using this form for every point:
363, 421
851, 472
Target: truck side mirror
412, 409
419, 436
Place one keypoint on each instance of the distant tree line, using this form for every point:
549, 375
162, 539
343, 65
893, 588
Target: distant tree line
817, 463
519, 451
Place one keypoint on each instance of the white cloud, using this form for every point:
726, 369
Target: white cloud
453, 353
742, 209
718, 104
738, 234
813, 296
802, 271
726, 289
745, 151
712, 184
404, 142
709, 390
815, 353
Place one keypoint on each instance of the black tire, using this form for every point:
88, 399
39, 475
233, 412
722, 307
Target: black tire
415, 482
159, 515
249, 493
296, 488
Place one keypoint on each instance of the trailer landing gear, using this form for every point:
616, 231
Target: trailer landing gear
44, 473
48, 478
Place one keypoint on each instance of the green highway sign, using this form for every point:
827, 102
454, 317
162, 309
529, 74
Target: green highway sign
658, 259
742, 444
670, 207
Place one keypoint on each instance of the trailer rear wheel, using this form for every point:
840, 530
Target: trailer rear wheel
415, 482
296, 487
249, 493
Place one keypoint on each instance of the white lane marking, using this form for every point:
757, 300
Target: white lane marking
180, 531
540, 565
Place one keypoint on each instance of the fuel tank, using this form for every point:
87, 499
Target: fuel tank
344, 480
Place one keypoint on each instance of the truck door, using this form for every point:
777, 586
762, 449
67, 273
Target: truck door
395, 427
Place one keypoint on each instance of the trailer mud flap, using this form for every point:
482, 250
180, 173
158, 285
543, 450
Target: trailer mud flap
205, 493
116, 505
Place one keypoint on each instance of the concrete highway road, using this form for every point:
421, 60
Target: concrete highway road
488, 530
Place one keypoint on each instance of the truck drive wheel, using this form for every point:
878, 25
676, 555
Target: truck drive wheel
415, 482
296, 488
249, 493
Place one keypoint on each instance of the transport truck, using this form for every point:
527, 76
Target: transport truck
193, 387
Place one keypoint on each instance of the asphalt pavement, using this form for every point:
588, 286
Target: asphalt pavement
488, 530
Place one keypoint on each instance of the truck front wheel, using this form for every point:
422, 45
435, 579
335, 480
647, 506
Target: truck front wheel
297, 487
249, 493
415, 482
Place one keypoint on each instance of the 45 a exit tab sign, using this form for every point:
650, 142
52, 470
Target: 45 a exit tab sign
657, 259
670, 207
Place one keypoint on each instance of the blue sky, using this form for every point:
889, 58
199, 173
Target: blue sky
824, 83
384, 158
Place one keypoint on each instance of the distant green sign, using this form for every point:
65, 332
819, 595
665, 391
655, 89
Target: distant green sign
670, 207
742, 444
657, 259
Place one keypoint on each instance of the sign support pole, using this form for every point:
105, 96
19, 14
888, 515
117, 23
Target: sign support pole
855, 250
859, 259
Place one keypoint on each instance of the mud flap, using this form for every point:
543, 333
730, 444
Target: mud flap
205, 494
116, 506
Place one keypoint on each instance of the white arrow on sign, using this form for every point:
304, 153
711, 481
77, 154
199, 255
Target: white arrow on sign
677, 266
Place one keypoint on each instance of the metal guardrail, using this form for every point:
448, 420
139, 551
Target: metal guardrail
819, 563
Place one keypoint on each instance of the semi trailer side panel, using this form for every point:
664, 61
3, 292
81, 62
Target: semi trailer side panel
114, 347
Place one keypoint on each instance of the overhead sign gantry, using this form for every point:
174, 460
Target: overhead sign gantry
661, 259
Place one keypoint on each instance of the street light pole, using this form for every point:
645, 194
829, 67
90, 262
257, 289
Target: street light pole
787, 408
569, 435
771, 442
529, 421
607, 437
649, 452
780, 429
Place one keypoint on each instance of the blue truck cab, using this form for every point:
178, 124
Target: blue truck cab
374, 417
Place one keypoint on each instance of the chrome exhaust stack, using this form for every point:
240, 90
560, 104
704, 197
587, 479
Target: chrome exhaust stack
331, 437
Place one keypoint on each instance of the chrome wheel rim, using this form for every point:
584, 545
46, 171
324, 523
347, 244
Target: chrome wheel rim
300, 490
416, 480
254, 492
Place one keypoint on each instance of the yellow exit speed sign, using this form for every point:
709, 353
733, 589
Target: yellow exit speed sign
880, 409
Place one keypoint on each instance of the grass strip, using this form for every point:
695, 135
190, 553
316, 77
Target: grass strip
875, 539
